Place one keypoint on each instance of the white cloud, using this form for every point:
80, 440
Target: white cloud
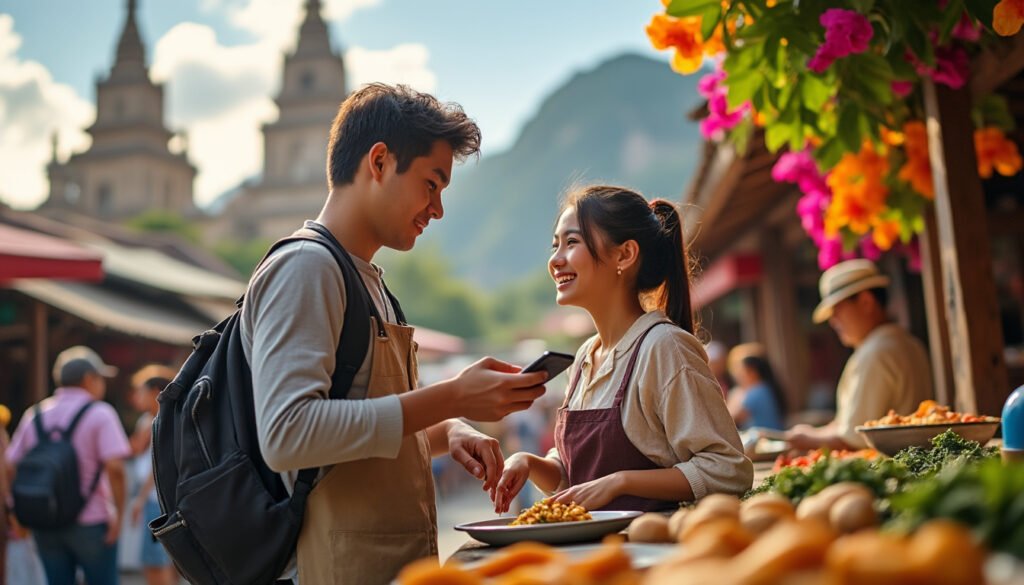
221, 95
406, 63
32, 107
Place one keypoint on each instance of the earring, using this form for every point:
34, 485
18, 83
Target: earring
618, 271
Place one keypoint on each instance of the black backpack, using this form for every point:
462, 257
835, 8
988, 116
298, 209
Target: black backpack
47, 488
227, 517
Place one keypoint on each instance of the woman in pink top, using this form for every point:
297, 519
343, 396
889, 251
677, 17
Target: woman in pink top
643, 425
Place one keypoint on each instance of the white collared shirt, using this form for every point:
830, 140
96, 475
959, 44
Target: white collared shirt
673, 411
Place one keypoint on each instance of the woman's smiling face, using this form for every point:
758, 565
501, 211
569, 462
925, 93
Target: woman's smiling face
579, 278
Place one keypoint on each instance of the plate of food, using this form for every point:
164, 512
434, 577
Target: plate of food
892, 433
550, 523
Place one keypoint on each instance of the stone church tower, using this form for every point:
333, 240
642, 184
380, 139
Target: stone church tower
129, 168
294, 186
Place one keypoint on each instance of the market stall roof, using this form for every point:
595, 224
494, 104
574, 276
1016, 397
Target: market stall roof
436, 342
155, 269
27, 254
115, 310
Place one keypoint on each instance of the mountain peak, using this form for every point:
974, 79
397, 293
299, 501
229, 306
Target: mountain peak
622, 122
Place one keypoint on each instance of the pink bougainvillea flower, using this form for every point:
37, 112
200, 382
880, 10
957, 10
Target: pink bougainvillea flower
1007, 17
846, 33
831, 253
902, 88
952, 67
869, 249
708, 84
967, 29
720, 118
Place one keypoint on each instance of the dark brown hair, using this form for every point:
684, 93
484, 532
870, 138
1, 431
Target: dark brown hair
153, 377
407, 121
618, 215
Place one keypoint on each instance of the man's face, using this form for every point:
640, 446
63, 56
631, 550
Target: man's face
408, 201
848, 320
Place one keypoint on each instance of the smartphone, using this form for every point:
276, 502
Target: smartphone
552, 362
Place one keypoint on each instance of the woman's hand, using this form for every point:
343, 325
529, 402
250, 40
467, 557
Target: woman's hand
593, 494
517, 471
137, 505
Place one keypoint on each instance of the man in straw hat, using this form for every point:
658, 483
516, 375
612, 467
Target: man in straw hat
888, 369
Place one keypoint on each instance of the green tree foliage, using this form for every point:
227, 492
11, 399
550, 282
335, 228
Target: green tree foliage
431, 296
242, 256
519, 305
160, 221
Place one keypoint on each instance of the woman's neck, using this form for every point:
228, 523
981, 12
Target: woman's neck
613, 319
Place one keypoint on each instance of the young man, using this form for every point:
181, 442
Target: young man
390, 155
888, 369
101, 446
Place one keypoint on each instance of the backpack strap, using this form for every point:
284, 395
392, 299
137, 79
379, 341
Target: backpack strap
41, 435
66, 435
99, 464
74, 422
399, 314
352, 346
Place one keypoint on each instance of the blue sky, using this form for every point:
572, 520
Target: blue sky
220, 61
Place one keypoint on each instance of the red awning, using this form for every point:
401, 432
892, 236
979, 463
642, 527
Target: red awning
725, 275
28, 254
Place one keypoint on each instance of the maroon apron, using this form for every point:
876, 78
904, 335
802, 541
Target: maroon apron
593, 444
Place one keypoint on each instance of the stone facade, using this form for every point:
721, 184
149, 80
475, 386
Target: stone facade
129, 168
293, 186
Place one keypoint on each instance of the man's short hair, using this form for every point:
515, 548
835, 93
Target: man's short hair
881, 295
407, 121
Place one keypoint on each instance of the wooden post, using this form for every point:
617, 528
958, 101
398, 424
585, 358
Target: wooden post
938, 332
784, 344
971, 310
39, 379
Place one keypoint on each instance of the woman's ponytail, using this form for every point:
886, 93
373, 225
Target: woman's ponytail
674, 266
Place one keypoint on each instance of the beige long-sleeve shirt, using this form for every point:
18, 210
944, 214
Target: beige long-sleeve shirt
889, 370
673, 411
291, 322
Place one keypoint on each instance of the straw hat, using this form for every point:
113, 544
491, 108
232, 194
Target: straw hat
844, 280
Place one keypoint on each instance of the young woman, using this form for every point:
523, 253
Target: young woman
643, 425
757, 400
146, 386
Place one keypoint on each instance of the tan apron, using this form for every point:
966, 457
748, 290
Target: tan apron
367, 519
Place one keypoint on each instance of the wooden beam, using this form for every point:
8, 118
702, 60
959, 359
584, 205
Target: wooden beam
39, 355
938, 332
997, 65
785, 345
976, 342
724, 171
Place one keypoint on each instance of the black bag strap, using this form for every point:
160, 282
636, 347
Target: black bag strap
66, 434
399, 314
352, 346
78, 417
44, 437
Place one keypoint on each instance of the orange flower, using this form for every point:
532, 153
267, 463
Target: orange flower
1008, 16
996, 152
885, 233
918, 169
891, 137
681, 34
858, 190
